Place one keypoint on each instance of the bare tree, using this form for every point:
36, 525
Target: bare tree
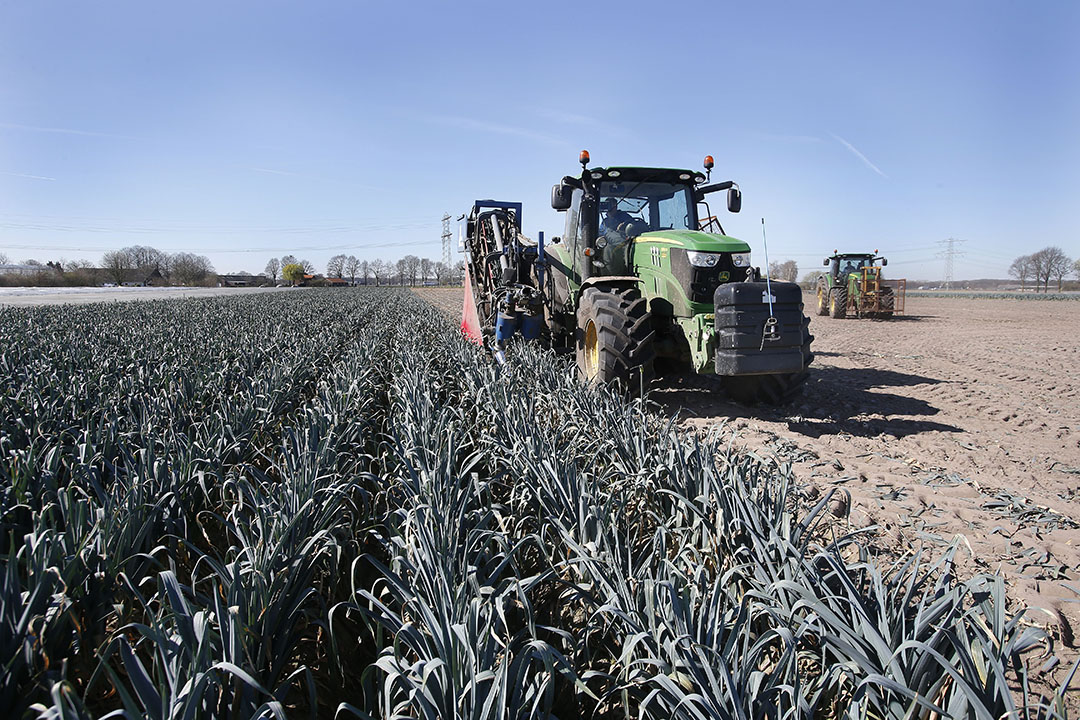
1050, 262
309, 267
146, 258
787, 271
272, 267
1060, 265
442, 273
365, 269
412, 268
426, 268
117, 264
459, 272
1076, 268
400, 266
336, 267
810, 279
1021, 269
1039, 268
352, 265
4, 259
380, 269
189, 268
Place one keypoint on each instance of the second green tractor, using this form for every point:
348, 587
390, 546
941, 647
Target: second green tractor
854, 284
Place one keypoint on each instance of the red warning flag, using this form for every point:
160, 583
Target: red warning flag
470, 322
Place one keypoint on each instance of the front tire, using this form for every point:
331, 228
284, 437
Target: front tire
615, 338
838, 302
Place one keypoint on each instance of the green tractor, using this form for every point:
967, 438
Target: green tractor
854, 284
642, 282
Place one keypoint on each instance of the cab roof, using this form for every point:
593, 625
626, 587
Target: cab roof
643, 174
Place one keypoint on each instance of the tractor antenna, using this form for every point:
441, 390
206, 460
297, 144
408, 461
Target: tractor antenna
769, 331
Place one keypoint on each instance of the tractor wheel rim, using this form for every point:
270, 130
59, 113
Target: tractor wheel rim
592, 351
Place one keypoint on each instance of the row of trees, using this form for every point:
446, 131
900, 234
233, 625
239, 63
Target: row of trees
143, 264
409, 270
1050, 263
138, 264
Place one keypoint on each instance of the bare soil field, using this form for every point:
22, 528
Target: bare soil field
22, 296
958, 422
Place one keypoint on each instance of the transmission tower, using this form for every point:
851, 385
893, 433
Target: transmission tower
446, 239
949, 253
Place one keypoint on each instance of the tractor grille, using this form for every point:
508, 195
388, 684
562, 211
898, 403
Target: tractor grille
700, 283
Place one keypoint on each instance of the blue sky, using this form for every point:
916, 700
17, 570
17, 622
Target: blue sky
244, 130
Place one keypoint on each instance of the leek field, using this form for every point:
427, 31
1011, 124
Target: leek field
328, 504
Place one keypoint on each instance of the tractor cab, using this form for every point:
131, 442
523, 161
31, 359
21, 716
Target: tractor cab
840, 266
611, 211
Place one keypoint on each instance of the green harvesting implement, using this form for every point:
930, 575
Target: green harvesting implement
642, 281
854, 284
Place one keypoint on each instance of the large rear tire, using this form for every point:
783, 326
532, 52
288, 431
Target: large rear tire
838, 302
615, 338
887, 303
822, 298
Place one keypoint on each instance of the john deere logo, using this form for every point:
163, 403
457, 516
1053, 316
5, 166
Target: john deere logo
724, 276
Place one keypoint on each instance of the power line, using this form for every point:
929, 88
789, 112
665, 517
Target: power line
218, 250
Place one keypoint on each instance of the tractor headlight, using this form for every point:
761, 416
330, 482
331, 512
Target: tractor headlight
601, 241
703, 259
740, 259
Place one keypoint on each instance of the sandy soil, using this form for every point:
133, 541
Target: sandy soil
959, 422
22, 296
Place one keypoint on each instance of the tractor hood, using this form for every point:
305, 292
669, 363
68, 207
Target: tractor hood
694, 240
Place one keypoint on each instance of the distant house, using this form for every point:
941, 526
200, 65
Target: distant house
155, 279
337, 282
19, 270
314, 280
238, 280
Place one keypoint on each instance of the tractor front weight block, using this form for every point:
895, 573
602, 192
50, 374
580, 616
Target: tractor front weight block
747, 343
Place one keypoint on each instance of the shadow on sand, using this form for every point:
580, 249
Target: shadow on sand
834, 401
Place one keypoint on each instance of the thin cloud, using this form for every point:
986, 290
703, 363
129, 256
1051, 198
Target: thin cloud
62, 131
480, 126
567, 118
276, 172
859, 155
24, 175
787, 138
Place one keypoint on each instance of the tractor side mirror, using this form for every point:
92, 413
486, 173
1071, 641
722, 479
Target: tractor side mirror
884, 262
825, 262
560, 197
734, 199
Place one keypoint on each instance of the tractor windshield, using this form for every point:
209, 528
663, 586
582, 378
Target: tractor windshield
851, 263
644, 206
